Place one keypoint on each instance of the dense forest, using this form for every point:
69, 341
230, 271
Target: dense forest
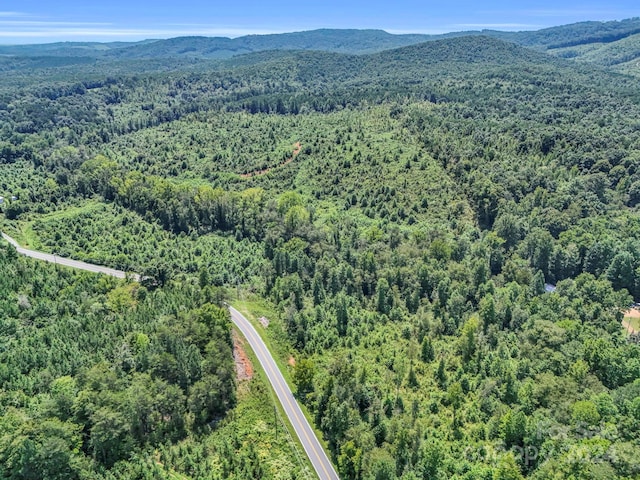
445, 237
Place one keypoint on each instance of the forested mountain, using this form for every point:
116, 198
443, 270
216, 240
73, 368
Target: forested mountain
65, 49
573, 40
330, 40
444, 238
575, 34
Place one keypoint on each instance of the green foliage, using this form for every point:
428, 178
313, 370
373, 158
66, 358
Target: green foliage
404, 243
585, 412
303, 376
121, 373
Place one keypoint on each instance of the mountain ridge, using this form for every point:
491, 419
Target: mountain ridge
357, 41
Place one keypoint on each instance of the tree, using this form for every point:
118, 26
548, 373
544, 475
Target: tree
514, 428
207, 400
383, 466
350, 461
295, 218
412, 378
288, 200
468, 340
537, 284
63, 395
342, 315
382, 293
634, 194
539, 245
585, 412
621, 271
441, 373
427, 351
507, 469
303, 375
431, 458
507, 227
45, 449
455, 394
487, 311
109, 439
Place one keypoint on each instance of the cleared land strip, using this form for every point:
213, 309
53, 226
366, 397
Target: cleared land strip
310, 442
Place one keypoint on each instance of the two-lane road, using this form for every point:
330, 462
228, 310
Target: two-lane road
312, 447
315, 452
67, 262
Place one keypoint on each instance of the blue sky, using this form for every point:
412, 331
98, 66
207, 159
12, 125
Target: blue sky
40, 21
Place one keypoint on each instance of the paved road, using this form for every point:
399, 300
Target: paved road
67, 262
316, 454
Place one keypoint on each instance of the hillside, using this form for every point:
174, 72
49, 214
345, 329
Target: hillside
329, 40
584, 36
66, 49
343, 41
575, 34
619, 55
392, 218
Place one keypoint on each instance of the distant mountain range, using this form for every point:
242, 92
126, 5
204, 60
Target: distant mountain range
614, 44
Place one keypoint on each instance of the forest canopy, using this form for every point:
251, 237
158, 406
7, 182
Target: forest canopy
444, 236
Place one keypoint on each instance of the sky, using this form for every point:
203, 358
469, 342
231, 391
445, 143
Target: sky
44, 21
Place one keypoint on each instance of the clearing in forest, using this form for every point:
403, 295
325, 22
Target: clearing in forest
631, 321
244, 369
296, 150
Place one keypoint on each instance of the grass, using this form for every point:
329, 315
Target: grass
254, 397
23, 233
634, 322
253, 308
254, 422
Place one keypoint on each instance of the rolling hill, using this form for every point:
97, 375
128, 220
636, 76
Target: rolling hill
394, 215
566, 40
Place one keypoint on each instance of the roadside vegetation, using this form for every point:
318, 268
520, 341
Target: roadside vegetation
401, 255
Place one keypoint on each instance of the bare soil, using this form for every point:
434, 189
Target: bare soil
244, 368
296, 150
632, 313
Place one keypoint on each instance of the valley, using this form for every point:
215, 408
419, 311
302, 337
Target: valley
394, 205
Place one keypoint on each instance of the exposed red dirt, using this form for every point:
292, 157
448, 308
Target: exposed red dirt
244, 369
296, 150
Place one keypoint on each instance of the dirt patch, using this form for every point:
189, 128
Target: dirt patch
296, 150
244, 369
292, 361
632, 313
628, 323
264, 321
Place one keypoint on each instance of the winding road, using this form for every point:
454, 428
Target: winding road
67, 262
308, 439
312, 446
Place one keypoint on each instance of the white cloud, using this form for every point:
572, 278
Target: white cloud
75, 33
12, 14
36, 23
